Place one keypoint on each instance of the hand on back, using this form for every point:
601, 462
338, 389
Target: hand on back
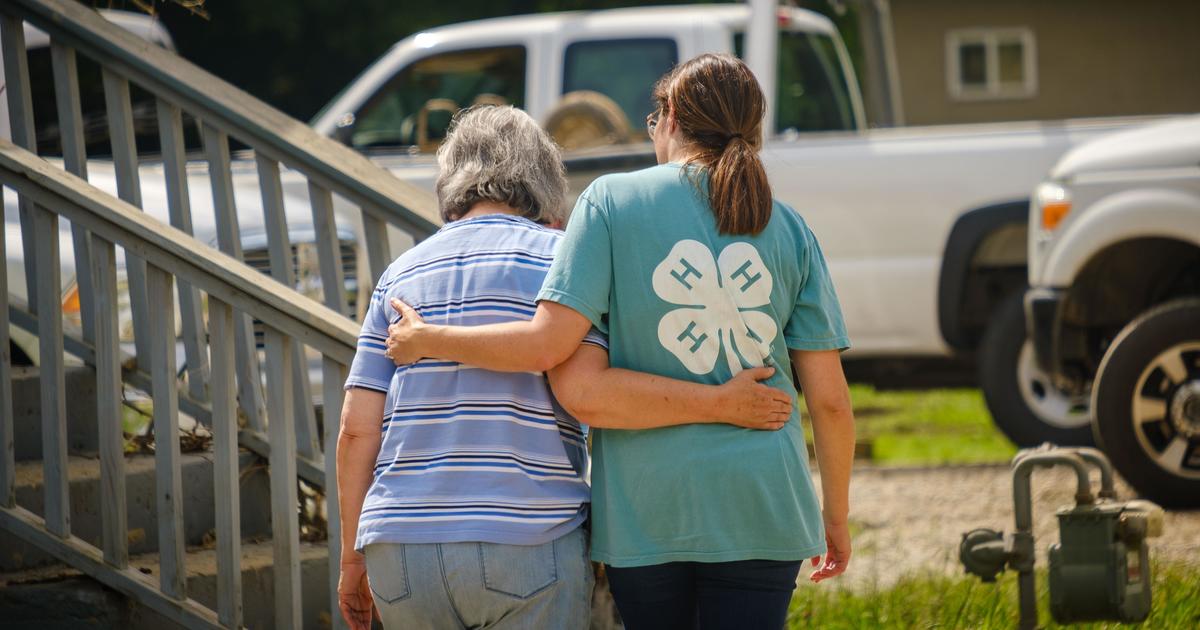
401, 347
750, 404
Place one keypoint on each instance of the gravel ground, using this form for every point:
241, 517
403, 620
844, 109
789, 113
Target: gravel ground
908, 521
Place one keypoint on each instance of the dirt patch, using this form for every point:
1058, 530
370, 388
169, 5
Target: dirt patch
907, 521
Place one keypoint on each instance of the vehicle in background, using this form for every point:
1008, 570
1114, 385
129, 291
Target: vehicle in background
152, 180
924, 228
95, 124
1114, 298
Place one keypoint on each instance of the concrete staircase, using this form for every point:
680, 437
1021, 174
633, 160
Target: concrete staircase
36, 591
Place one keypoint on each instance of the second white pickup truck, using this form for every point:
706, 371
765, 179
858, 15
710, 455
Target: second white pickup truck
924, 228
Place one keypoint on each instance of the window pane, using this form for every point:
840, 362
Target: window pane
972, 65
1012, 62
811, 86
624, 70
416, 106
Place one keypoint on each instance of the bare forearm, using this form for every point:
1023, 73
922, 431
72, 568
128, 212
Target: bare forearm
507, 347
828, 399
356, 455
833, 437
529, 346
614, 398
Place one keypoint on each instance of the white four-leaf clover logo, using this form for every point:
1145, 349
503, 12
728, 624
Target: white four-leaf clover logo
716, 296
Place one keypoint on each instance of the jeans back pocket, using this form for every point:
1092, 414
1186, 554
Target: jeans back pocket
387, 572
518, 570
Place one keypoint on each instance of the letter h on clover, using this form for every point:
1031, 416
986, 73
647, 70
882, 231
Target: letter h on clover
717, 298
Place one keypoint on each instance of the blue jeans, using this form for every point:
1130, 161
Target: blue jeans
483, 585
743, 595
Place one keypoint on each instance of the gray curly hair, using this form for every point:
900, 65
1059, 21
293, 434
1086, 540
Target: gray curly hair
500, 154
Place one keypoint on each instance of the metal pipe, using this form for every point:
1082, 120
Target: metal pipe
1027, 600
1095, 457
1023, 470
1022, 541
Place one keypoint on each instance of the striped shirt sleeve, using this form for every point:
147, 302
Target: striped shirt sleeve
371, 369
596, 338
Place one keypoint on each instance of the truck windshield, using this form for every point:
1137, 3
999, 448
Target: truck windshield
415, 107
811, 89
624, 70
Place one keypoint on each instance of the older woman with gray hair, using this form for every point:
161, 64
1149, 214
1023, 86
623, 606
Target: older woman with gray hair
462, 490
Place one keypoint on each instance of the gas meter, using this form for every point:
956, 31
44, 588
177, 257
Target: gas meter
1099, 569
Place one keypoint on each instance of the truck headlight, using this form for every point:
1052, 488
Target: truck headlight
1054, 203
70, 307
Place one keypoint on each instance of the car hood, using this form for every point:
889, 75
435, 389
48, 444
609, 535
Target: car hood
1168, 144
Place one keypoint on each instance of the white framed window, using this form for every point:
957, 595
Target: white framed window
991, 63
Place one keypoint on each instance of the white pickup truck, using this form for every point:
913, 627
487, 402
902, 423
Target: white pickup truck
1114, 298
924, 228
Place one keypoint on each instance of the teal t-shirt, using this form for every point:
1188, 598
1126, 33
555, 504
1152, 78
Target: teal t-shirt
644, 261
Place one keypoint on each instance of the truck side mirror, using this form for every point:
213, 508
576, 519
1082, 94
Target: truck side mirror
344, 131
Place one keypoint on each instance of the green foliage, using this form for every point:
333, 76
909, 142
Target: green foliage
965, 602
927, 427
937, 426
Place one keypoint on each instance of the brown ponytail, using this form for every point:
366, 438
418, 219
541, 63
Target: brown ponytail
719, 107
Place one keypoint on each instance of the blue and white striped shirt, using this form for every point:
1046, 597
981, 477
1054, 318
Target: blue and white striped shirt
469, 454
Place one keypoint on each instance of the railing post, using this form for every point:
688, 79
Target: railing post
279, 248
226, 476
170, 132
216, 149
20, 114
51, 373
333, 375
7, 455
168, 483
333, 281
70, 125
285, 520
125, 163
114, 522
379, 248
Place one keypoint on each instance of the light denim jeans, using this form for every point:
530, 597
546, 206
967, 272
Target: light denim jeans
483, 585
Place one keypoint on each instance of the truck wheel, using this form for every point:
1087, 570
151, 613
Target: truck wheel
1024, 404
1147, 402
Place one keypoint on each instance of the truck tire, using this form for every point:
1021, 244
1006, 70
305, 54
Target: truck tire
1147, 403
1024, 404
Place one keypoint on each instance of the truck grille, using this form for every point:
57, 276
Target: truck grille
260, 259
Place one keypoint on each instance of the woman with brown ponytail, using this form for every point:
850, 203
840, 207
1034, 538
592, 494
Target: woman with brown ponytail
694, 272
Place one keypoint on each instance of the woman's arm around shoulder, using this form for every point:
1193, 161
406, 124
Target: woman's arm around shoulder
525, 346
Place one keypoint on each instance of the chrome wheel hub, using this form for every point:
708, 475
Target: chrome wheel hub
1185, 409
1166, 410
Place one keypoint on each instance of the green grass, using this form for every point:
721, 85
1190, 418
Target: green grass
928, 427
965, 602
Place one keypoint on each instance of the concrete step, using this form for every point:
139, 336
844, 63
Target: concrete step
82, 434
58, 597
198, 513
